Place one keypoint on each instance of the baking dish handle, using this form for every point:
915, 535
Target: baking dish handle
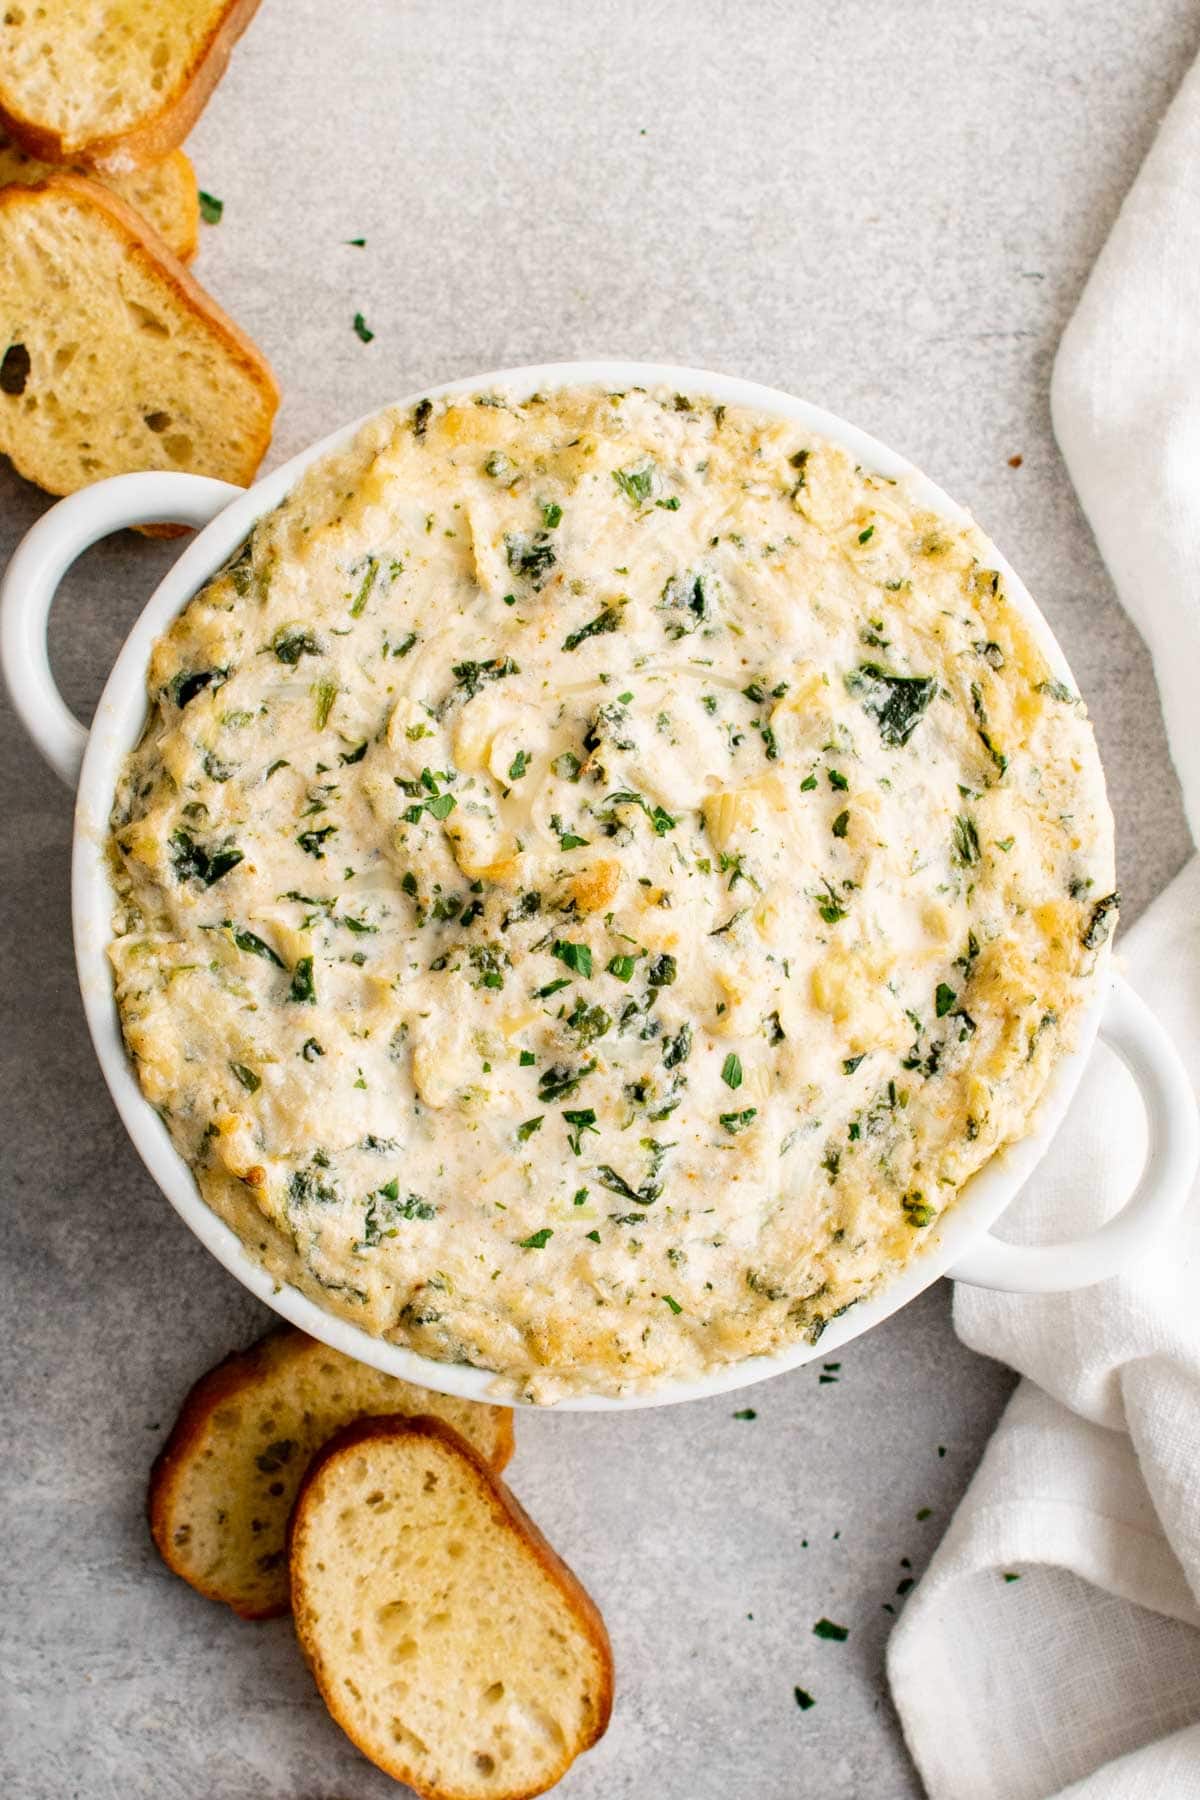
1173, 1148
39, 563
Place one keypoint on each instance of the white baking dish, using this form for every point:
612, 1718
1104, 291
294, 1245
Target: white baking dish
962, 1246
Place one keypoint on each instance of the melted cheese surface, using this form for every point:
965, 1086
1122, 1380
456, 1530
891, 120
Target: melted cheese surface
600, 872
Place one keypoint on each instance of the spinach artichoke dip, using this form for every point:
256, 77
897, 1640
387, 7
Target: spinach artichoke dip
601, 871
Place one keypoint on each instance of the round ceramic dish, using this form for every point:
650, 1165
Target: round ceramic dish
962, 1246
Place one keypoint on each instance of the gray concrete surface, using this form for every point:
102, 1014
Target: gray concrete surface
888, 208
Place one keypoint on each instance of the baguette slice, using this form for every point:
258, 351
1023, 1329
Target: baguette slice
448, 1640
113, 358
117, 83
164, 193
223, 1485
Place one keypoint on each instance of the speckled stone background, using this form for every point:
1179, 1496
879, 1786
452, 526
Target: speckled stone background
890, 208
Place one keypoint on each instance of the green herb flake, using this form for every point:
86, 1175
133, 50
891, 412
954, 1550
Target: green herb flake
836, 1634
526, 1131
944, 999
249, 1080
803, 1698
303, 989
538, 1239
622, 967
518, 766
738, 1121
253, 945
551, 514
964, 842
636, 484
576, 956
841, 825
673, 1304
731, 1071
211, 208
864, 537
605, 621
747, 1412
362, 330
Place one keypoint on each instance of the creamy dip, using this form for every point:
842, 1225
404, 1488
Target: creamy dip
600, 872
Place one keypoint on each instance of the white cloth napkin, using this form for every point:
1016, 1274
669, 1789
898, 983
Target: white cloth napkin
1081, 1677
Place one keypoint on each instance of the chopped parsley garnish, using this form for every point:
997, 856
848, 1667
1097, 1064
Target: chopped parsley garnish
608, 620
622, 967
527, 1059
576, 956
829, 906
662, 970
567, 766
803, 1698
661, 820
825, 1628
249, 1080
303, 988
841, 825
864, 537
253, 945
636, 484
526, 1131
518, 766
964, 842
362, 329
325, 693
838, 780
897, 703
738, 1121
747, 1412
851, 1063
731, 1072
579, 1120
594, 1235
551, 514
537, 1240
673, 1304
370, 568
421, 415
677, 1049
210, 207
917, 1210
943, 999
